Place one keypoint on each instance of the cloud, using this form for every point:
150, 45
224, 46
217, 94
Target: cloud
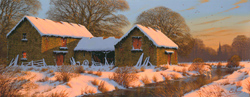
244, 21
216, 33
213, 21
236, 6
204, 1
211, 29
241, 1
229, 9
193, 7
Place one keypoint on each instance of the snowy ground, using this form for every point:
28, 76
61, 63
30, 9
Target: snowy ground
82, 83
236, 84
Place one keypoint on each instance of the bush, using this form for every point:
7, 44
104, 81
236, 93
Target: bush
142, 69
99, 73
184, 71
59, 94
51, 71
155, 78
174, 76
44, 79
167, 77
198, 60
44, 69
102, 87
234, 61
211, 91
12, 82
197, 67
124, 76
164, 67
95, 82
145, 80
79, 69
219, 65
65, 73
90, 72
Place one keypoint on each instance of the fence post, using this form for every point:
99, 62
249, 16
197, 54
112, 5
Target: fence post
32, 63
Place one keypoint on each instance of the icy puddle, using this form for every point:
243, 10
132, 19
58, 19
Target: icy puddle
169, 88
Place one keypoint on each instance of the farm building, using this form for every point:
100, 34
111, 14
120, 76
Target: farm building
96, 50
152, 43
35, 38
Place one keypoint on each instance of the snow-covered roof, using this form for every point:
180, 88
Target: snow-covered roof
47, 27
157, 37
169, 52
96, 44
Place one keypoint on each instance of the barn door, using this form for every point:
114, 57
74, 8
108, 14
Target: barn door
59, 59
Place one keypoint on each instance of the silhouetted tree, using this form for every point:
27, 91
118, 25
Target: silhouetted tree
240, 46
98, 16
171, 23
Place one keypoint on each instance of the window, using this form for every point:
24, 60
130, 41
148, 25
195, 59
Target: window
24, 36
64, 42
24, 54
137, 43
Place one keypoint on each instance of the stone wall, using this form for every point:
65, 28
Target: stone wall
162, 57
80, 56
32, 46
125, 57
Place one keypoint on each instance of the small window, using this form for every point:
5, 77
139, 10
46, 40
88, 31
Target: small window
24, 55
24, 36
64, 42
137, 43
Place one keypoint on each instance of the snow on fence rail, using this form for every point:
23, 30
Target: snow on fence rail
38, 63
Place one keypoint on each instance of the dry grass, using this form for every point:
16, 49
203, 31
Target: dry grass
59, 94
211, 91
155, 78
98, 73
175, 70
183, 65
145, 80
238, 84
29, 69
44, 69
90, 72
174, 76
164, 67
44, 79
184, 72
79, 69
51, 71
142, 69
124, 76
68, 84
12, 82
225, 82
247, 85
87, 91
65, 73
167, 77
102, 87
197, 67
95, 82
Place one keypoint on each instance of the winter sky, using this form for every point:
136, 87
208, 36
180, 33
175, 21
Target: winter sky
213, 21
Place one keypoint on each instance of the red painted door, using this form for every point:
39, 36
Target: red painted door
59, 59
169, 59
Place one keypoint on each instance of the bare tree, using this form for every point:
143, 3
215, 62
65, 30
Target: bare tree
11, 11
240, 46
98, 16
171, 24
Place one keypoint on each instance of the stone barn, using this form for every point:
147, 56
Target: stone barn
96, 50
35, 39
153, 43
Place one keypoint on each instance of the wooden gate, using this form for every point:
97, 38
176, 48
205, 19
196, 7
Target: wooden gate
59, 59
